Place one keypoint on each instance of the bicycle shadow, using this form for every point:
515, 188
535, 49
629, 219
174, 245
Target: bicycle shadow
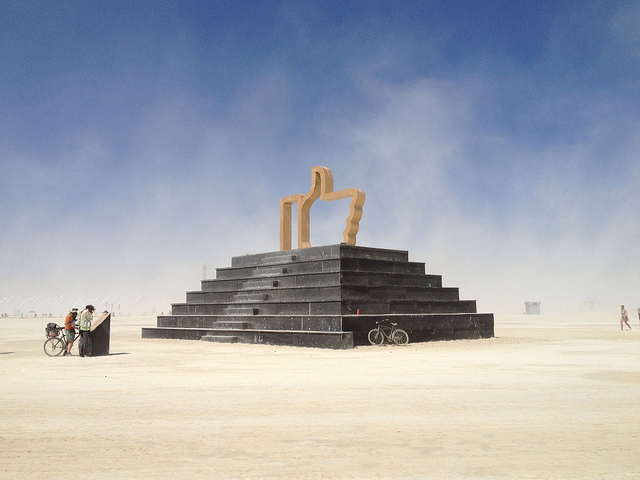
107, 354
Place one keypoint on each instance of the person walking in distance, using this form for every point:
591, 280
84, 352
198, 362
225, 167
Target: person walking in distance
624, 317
638, 313
84, 347
70, 329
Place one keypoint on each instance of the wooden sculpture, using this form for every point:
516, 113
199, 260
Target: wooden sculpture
321, 187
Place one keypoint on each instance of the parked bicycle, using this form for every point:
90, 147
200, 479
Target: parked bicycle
389, 332
56, 342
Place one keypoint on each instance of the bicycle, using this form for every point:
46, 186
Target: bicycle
56, 342
392, 334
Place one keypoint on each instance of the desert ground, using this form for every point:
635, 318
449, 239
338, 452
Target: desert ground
548, 397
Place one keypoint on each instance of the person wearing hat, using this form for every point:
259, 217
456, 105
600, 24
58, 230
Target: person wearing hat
86, 316
70, 329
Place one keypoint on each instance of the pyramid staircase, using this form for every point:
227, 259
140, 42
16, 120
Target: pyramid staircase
327, 297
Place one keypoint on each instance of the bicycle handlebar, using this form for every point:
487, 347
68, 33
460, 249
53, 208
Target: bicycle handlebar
378, 322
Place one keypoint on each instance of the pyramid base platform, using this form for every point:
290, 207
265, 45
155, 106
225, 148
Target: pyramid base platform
421, 328
324, 297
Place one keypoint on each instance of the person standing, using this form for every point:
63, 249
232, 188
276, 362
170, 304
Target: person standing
624, 318
638, 313
84, 346
70, 329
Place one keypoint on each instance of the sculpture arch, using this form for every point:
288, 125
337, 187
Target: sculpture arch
321, 187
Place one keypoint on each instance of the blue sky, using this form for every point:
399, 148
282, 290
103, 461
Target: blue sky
496, 141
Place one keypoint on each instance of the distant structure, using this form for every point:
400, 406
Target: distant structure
591, 304
532, 308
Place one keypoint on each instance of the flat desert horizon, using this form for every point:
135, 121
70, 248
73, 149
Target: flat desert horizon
551, 396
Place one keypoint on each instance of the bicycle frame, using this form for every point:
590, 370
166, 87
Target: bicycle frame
389, 332
386, 331
61, 337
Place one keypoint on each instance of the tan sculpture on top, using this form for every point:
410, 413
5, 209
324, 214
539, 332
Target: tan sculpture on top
321, 186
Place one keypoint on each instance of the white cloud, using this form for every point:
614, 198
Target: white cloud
564, 228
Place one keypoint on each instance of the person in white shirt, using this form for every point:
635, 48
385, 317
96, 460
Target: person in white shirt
86, 316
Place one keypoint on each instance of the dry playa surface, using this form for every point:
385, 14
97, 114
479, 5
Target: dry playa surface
549, 397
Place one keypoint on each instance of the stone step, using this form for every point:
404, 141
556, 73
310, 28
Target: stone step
288, 281
345, 292
297, 268
276, 259
240, 310
425, 327
345, 265
294, 338
318, 253
239, 297
392, 279
249, 297
326, 252
408, 307
257, 284
230, 325
325, 323
257, 308
421, 328
219, 338
329, 307
346, 279
252, 272
377, 266
391, 293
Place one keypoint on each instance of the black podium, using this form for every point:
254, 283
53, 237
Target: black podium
100, 335
325, 297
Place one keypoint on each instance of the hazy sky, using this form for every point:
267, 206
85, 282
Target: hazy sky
497, 141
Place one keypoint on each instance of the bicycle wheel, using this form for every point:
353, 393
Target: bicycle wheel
54, 347
400, 337
376, 337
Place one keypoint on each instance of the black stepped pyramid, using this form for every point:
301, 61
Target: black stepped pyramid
328, 297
